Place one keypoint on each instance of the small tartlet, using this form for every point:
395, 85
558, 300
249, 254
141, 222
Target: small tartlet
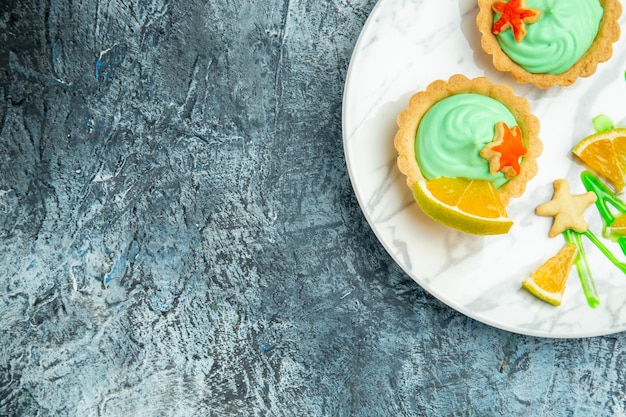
409, 120
600, 50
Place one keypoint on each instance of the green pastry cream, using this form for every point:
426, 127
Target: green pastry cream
452, 133
561, 36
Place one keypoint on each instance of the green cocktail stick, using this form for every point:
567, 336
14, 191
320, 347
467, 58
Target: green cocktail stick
602, 123
605, 198
609, 207
582, 267
594, 239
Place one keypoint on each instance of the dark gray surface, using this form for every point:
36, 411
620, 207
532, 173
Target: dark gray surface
179, 235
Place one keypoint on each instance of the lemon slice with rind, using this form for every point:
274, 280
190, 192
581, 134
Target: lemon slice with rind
469, 205
605, 153
548, 281
617, 228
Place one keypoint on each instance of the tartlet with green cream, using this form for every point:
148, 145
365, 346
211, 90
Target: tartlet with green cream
548, 42
467, 134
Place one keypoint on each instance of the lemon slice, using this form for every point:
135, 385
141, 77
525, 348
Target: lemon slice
605, 153
618, 227
471, 206
548, 281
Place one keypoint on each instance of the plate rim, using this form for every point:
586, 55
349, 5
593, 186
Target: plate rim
373, 15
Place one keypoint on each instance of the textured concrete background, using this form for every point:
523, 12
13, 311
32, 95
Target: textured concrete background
179, 236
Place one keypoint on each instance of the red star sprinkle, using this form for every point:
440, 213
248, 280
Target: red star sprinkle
514, 15
504, 152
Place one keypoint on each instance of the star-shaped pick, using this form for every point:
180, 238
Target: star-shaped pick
505, 151
566, 208
514, 15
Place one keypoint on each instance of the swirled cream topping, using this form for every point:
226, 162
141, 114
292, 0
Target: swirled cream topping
561, 36
452, 133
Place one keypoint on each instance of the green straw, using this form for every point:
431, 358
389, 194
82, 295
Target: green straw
605, 198
594, 239
582, 267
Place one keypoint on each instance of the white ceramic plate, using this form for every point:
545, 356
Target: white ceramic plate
406, 44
